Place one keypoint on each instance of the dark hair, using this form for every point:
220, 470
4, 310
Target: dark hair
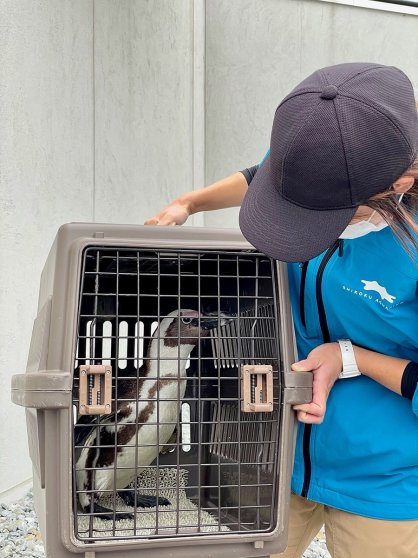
401, 217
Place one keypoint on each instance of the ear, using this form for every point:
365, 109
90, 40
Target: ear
403, 184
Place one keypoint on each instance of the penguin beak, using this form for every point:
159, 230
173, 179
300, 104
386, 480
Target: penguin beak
211, 321
208, 323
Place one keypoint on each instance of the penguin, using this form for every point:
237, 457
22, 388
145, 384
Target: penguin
146, 416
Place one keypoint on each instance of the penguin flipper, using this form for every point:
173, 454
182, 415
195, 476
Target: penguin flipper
84, 425
87, 423
142, 500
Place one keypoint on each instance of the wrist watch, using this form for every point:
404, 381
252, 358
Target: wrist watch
350, 369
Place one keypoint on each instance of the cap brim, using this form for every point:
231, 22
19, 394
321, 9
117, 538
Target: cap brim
285, 231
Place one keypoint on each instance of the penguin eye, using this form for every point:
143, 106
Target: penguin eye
186, 320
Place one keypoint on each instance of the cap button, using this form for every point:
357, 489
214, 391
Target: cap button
329, 92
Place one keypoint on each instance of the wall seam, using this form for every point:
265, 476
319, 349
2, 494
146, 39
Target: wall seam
198, 154
94, 111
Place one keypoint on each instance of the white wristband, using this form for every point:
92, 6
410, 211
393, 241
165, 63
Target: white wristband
350, 369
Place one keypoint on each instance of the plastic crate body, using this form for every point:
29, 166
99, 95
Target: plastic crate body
105, 291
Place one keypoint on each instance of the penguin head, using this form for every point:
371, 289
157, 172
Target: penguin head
186, 327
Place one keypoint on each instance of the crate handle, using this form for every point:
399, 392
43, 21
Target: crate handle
256, 388
95, 390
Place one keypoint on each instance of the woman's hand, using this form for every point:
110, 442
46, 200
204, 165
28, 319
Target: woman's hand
228, 192
325, 363
176, 213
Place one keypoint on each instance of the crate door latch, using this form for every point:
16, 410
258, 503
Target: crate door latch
95, 390
256, 388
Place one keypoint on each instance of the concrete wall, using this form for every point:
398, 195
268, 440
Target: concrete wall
96, 120
102, 118
143, 106
258, 50
46, 175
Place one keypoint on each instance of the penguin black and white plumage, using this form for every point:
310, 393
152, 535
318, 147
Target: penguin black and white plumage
146, 415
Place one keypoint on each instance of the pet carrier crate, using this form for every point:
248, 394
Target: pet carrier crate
158, 395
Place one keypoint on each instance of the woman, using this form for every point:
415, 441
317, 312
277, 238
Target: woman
337, 196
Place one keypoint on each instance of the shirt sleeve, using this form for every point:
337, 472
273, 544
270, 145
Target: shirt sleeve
409, 384
415, 402
250, 172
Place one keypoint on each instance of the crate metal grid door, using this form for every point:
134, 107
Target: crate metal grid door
176, 326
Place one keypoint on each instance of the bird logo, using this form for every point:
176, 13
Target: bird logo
146, 413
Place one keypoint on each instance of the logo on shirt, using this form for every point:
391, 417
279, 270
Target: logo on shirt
382, 297
374, 286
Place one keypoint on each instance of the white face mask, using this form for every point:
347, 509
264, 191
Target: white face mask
362, 228
356, 230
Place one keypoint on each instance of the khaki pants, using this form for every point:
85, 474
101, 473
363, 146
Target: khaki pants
348, 535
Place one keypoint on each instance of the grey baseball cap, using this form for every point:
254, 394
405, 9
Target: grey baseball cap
344, 134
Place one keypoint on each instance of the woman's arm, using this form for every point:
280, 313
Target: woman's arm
384, 369
325, 363
228, 192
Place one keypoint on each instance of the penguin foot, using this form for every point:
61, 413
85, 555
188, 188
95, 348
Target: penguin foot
107, 513
142, 500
